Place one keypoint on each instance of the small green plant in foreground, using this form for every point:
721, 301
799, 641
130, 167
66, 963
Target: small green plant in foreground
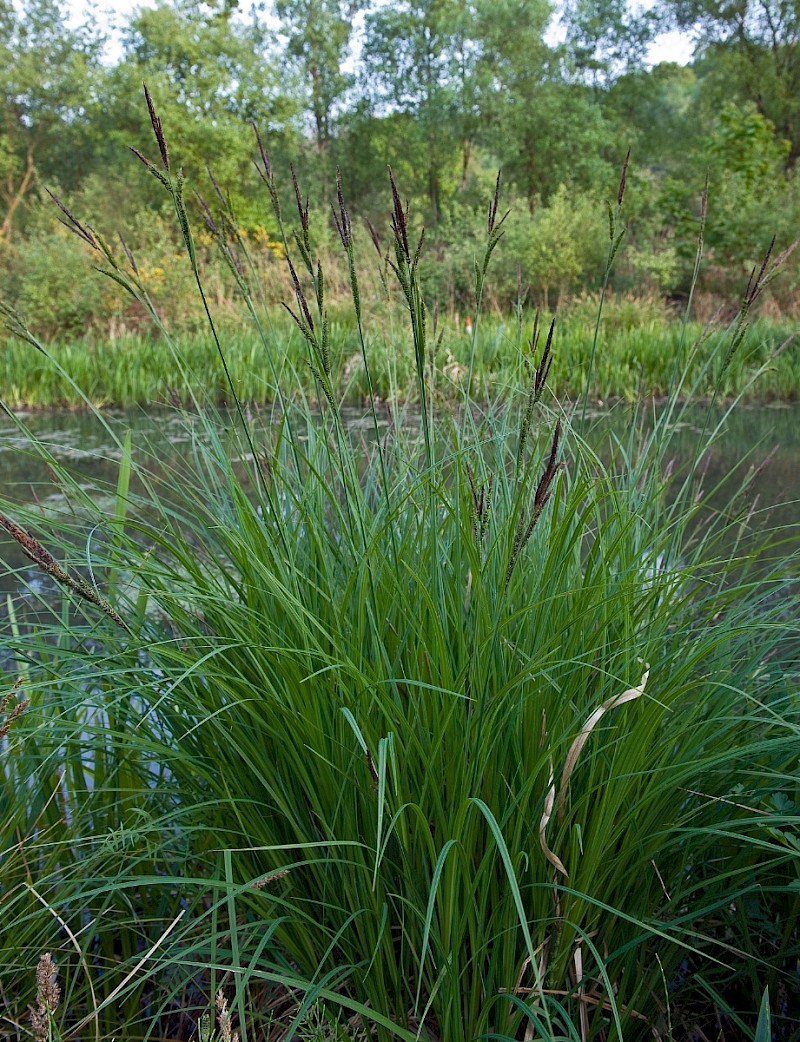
446, 729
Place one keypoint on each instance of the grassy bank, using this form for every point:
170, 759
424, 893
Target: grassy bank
457, 732
631, 361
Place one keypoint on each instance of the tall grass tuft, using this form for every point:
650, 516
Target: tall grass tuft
457, 729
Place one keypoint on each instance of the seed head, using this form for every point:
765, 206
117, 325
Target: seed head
48, 995
34, 550
18, 708
226, 1034
83, 231
129, 254
208, 217
342, 220
376, 240
544, 490
267, 172
493, 206
302, 208
623, 181
399, 221
158, 130
273, 877
543, 368
301, 297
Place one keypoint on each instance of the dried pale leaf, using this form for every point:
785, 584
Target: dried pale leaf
547, 813
577, 746
584, 1013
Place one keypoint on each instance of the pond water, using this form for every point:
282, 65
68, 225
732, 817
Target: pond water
79, 441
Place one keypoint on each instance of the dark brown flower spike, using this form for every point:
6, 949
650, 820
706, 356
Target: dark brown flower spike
543, 368
83, 231
208, 217
399, 220
129, 254
493, 205
302, 208
492, 223
544, 490
158, 130
623, 181
266, 174
537, 378
342, 220
782, 257
755, 285
376, 241
216, 187
481, 503
35, 552
301, 297
545, 487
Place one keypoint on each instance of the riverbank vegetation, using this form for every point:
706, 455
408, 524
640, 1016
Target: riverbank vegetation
445, 93
448, 728
635, 358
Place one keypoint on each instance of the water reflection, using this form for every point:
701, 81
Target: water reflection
765, 437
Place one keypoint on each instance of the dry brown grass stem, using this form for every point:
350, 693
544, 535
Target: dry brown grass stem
590, 998
578, 953
586, 997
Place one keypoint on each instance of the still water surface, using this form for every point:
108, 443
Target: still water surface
79, 442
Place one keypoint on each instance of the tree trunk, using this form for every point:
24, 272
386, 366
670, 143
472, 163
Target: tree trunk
466, 153
16, 195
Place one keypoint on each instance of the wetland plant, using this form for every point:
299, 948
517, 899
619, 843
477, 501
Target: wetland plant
403, 734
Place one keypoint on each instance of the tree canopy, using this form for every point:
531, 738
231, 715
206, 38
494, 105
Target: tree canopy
443, 91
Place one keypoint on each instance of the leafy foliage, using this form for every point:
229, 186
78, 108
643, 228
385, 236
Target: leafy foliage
451, 729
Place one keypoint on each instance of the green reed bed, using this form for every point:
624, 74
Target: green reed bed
449, 730
630, 362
